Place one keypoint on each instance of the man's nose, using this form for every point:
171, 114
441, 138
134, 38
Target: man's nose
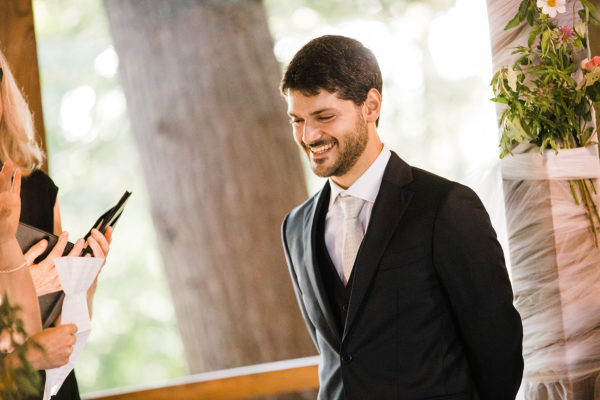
310, 133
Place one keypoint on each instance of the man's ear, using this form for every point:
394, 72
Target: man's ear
372, 106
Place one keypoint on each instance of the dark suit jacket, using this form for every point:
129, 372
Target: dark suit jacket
430, 313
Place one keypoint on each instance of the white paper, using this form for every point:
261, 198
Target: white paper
76, 276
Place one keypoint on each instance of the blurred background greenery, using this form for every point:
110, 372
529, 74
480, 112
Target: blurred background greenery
436, 62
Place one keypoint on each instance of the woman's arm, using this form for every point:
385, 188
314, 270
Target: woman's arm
57, 220
16, 285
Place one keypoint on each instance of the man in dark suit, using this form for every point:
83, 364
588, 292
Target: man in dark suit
398, 272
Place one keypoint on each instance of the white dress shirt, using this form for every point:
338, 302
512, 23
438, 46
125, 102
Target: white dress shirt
366, 187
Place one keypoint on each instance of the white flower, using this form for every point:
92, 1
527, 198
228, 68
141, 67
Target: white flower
551, 7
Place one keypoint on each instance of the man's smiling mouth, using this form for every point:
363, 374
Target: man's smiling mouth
321, 149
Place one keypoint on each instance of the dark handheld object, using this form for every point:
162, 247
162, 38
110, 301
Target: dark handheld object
27, 236
107, 219
51, 303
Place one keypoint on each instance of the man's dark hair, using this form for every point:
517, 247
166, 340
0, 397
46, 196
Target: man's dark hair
337, 64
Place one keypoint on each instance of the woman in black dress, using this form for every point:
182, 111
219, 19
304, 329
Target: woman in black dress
39, 208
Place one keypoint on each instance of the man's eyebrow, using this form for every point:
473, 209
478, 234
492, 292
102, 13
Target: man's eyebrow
312, 113
321, 111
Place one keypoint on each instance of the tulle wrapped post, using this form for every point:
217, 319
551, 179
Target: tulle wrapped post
554, 260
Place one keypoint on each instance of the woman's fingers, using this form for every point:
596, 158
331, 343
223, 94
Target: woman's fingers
5, 175
16, 183
96, 248
108, 234
35, 251
59, 247
77, 248
102, 240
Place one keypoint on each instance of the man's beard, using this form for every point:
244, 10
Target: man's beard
350, 148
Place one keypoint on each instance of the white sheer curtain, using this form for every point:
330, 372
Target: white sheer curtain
555, 266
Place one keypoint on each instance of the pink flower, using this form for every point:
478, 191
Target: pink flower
589, 65
565, 32
583, 63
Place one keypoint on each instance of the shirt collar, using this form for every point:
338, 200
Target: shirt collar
367, 185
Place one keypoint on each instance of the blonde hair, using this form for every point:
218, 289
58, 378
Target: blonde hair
17, 132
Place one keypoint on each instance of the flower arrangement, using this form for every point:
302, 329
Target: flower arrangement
548, 102
22, 381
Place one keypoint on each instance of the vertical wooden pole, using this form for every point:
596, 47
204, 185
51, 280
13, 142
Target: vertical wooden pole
17, 42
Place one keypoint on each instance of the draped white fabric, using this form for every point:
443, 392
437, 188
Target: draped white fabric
555, 266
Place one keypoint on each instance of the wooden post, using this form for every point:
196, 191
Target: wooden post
17, 40
201, 83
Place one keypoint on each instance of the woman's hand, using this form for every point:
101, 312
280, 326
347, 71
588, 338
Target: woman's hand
50, 348
55, 345
44, 274
100, 245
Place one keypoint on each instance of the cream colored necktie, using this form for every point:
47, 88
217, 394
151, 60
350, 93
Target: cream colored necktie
351, 207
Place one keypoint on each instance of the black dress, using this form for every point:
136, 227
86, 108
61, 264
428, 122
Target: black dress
38, 197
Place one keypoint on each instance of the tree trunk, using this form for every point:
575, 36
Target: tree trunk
17, 40
222, 170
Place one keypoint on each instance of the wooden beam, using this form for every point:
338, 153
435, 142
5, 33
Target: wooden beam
17, 41
237, 383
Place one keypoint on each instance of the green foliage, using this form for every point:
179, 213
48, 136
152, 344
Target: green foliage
546, 106
16, 383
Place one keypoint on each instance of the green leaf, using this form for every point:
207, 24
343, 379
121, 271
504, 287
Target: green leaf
532, 12
519, 17
593, 91
513, 23
533, 34
588, 4
594, 21
580, 29
500, 99
545, 39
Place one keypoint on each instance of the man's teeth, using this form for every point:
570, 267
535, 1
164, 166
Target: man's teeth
321, 149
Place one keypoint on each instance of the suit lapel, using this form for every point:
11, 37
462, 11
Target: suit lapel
390, 204
312, 265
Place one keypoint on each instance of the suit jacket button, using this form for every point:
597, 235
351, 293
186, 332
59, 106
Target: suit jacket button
345, 307
346, 358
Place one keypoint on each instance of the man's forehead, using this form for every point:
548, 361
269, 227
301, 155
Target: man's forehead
299, 102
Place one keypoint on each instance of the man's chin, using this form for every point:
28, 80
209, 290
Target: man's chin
321, 170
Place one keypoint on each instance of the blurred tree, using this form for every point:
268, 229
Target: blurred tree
201, 81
